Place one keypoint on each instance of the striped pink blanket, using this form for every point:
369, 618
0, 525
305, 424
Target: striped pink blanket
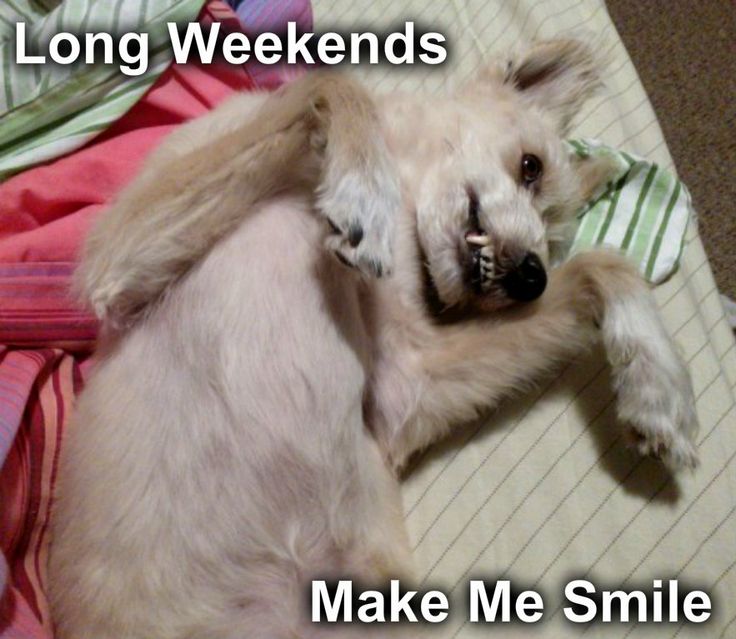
46, 340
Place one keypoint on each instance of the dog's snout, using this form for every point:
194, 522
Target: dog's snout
527, 281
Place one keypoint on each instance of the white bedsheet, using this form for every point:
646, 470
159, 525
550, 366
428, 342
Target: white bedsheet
546, 491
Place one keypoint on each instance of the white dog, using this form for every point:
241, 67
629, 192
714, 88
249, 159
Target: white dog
255, 398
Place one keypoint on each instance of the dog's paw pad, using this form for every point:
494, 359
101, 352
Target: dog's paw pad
364, 244
361, 211
669, 446
351, 256
659, 407
663, 429
655, 394
363, 249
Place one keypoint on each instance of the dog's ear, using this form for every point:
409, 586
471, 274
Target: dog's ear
556, 76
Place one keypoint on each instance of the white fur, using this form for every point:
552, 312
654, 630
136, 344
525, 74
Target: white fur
243, 435
654, 391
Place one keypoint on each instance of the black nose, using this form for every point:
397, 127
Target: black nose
527, 281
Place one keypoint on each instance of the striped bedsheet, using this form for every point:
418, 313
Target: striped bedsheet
546, 491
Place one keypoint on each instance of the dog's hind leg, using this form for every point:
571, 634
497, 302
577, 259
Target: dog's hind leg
466, 368
321, 134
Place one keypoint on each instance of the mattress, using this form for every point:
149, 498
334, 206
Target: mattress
545, 491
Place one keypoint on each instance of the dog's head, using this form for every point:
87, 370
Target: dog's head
490, 179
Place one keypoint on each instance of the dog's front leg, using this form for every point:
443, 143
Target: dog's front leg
321, 134
467, 368
358, 189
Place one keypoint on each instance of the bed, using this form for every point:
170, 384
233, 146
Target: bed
546, 492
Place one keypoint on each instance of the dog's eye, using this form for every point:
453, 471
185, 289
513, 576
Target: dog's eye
531, 169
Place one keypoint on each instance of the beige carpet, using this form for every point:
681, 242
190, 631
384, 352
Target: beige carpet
685, 53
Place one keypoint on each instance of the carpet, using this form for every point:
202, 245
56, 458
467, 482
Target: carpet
684, 53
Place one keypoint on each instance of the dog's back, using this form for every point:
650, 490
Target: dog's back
207, 477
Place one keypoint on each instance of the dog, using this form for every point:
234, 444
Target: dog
255, 399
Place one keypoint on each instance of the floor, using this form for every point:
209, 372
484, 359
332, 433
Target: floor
685, 53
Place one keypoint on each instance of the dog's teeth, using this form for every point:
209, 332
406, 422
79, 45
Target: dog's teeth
482, 259
477, 239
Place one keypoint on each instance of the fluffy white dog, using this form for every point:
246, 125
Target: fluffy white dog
255, 398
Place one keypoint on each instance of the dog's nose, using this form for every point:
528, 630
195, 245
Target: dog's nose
527, 281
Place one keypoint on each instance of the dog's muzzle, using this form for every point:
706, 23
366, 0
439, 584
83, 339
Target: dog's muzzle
523, 282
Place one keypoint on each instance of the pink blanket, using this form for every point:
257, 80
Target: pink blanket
45, 338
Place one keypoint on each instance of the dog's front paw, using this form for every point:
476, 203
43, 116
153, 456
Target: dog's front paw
115, 295
361, 211
655, 399
655, 396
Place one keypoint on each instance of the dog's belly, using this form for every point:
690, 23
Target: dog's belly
220, 449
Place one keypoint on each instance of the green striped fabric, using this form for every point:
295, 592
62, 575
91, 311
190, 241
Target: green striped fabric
643, 211
48, 110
